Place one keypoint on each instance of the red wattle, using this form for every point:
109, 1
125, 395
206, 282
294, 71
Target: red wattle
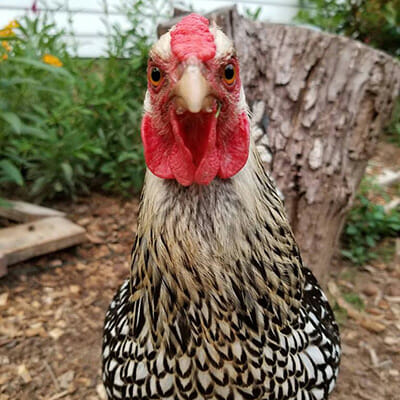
156, 149
234, 149
168, 157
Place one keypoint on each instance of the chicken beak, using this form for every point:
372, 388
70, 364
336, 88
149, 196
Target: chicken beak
192, 90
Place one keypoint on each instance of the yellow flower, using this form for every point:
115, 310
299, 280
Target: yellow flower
6, 45
13, 24
4, 56
6, 32
52, 60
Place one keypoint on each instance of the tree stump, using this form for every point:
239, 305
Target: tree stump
319, 102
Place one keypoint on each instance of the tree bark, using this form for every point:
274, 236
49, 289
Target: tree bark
319, 102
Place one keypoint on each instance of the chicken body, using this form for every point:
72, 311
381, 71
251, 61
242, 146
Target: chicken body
218, 304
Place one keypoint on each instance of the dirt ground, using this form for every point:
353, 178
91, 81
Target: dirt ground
52, 310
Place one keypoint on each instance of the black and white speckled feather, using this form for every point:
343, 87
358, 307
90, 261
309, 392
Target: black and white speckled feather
223, 356
257, 328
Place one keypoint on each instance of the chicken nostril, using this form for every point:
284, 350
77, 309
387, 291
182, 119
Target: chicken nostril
180, 105
210, 104
180, 110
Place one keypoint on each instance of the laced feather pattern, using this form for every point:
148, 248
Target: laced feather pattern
218, 304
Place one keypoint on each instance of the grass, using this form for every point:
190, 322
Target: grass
392, 132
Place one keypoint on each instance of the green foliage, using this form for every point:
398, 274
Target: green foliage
253, 14
10, 173
367, 224
68, 124
375, 22
392, 132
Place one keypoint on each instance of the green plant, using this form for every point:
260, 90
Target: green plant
392, 132
253, 13
69, 124
375, 22
367, 224
39, 95
9, 173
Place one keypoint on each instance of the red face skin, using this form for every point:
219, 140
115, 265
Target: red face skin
195, 147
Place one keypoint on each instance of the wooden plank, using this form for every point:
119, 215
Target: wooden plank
25, 212
388, 178
3, 265
44, 236
392, 205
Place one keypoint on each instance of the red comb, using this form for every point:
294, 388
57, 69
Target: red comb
192, 37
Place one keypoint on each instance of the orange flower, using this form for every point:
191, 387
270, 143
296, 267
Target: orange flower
4, 56
52, 60
6, 45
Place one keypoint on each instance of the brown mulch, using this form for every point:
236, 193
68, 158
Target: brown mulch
52, 310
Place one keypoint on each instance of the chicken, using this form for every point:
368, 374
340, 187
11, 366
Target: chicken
218, 304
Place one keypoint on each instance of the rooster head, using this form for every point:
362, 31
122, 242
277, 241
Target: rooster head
195, 127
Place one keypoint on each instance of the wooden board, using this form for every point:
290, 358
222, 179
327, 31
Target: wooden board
24, 212
24, 241
3, 265
388, 178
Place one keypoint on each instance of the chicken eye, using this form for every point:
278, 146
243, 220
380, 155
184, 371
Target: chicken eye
155, 76
229, 74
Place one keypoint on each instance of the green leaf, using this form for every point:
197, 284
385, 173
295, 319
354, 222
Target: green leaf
31, 130
124, 156
41, 65
10, 173
351, 230
13, 120
16, 81
370, 241
58, 187
39, 186
68, 172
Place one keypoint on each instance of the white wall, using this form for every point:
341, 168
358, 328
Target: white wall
88, 16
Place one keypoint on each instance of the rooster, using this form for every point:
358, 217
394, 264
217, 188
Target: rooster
218, 304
